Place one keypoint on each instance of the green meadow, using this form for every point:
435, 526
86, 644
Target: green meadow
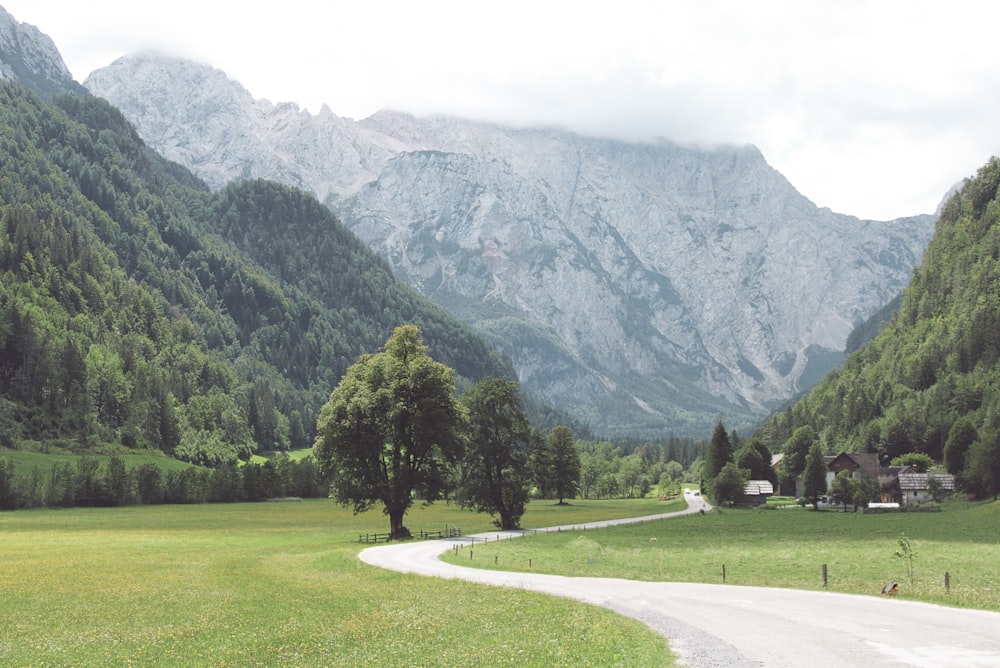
26, 460
782, 548
279, 584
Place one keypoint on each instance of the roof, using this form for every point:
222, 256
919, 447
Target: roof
865, 461
758, 488
917, 482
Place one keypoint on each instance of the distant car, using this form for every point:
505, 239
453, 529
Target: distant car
697, 493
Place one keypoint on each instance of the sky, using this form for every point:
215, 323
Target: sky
874, 109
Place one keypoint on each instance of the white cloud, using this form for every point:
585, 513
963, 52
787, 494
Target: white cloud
872, 109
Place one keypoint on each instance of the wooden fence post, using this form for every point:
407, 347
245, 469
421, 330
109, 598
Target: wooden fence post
824, 575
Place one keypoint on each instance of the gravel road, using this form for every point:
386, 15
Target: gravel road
732, 626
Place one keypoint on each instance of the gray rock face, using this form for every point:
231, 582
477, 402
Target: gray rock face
31, 58
642, 288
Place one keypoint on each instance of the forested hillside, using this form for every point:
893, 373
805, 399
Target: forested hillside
930, 382
138, 307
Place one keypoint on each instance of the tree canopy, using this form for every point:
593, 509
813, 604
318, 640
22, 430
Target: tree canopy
494, 475
565, 471
390, 429
720, 452
729, 484
814, 475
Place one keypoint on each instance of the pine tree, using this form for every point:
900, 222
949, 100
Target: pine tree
720, 453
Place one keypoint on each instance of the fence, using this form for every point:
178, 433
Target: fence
447, 532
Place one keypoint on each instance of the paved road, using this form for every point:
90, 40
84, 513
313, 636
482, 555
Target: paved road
730, 626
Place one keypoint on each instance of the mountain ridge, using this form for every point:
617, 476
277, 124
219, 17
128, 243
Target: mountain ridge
644, 288
30, 57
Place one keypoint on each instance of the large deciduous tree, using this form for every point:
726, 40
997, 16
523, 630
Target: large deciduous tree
495, 476
981, 475
843, 489
795, 450
390, 429
960, 438
540, 464
729, 485
754, 456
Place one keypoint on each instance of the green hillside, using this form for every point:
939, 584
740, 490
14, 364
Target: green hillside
139, 308
930, 381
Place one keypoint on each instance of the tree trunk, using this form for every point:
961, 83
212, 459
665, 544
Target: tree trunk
396, 529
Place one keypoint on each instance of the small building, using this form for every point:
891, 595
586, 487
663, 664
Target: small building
756, 492
917, 488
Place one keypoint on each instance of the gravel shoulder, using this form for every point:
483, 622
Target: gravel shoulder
734, 626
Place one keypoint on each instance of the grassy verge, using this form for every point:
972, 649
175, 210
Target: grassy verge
279, 584
782, 548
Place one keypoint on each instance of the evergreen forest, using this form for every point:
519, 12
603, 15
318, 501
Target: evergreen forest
140, 309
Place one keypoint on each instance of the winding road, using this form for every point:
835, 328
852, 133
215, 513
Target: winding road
733, 626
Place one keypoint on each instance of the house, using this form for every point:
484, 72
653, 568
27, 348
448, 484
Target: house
856, 463
901, 485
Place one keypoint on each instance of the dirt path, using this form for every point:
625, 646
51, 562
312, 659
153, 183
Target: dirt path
730, 626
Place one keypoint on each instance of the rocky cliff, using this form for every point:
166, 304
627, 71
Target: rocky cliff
643, 288
28, 56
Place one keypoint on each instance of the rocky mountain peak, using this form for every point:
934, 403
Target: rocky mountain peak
644, 288
30, 57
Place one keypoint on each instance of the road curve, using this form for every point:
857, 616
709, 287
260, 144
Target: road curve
734, 626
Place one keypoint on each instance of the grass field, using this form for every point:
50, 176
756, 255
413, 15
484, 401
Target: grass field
26, 460
782, 548
279, 584
45, 458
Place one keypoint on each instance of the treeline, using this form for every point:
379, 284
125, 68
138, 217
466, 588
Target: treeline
929, 382
620, 469
633, 469
89, 484
137, 307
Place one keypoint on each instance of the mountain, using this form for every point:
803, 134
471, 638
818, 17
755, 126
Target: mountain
30, 57
642, 288
139, 308
929, 381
